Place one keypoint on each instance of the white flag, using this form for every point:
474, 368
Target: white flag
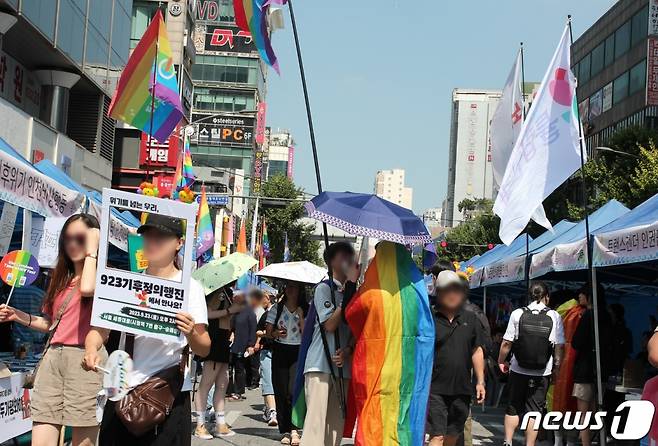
547, 150
506, 126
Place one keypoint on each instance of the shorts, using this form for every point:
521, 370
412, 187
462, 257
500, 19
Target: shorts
220, 346
447, 414
266, 386
527, 393
584, 392
64, 393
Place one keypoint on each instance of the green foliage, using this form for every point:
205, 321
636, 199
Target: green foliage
286, 219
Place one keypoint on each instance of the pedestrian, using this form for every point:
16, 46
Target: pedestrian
584, 368
535, 336
64, 394
255, 298
285, 323
458, 353
264, 348
215, 365
243, 326
163, 239
324, 420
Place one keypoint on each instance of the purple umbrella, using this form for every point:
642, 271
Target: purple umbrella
368, 215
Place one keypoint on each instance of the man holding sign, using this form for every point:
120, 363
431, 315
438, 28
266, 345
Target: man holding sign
161, 313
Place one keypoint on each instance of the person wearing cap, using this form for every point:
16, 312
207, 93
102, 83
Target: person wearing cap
458, 352
163, 239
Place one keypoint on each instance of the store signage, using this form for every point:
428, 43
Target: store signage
653, 17
140, 303
214, 39
214, 200
260, 123
652, 71
256, 180
18, 85
210, 10
291, 161
153, 153
221, 130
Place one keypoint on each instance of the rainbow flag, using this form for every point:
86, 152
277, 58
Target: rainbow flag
205, 236
136, 92
251, 16
266, 242
286, 250
187, 174
393, 326
242, 239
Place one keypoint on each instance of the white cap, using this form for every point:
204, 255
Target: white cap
447, 279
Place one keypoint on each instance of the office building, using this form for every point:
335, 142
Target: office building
616, 63
433, 216
139, 157
280, 154
59, 63
389, 185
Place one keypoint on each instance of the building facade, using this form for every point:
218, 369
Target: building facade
470, 174
389, 185
280, 154
59, 64
616, 63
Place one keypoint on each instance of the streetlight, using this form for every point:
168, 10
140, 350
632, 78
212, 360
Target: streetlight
618, 152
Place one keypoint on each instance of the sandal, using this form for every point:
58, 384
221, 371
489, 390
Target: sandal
286, 439
294, 439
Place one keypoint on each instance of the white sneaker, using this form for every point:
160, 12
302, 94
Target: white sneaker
202, 433
272, 419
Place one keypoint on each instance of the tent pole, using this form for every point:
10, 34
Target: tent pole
484, 301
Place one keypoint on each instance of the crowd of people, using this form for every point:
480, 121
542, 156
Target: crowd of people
244, 339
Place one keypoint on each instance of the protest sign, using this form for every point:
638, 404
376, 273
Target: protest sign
135, 302
15, 413
44, 240
19, 268
7, 223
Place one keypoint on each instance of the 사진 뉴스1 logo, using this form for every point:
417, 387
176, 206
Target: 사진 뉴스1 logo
630, 421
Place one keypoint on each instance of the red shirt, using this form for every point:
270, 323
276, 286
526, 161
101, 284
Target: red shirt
75, 323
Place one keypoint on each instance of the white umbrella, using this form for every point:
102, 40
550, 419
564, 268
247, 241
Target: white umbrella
305, 272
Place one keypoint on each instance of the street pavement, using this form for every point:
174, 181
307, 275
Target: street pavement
246, 419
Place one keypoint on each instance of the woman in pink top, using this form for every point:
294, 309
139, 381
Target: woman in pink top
64, 394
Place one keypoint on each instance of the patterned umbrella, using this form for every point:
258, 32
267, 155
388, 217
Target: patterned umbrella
369, 215
219, 272
304, 272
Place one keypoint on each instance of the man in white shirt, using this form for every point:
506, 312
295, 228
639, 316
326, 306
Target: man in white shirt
535, 335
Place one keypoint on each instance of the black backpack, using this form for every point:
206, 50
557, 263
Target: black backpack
532, 348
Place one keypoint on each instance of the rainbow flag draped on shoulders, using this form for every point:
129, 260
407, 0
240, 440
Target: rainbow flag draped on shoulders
392, 323
137, 95
251, 16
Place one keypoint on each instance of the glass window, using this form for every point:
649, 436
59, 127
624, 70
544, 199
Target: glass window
100, 15
622, 39
598, 55
620, 88
639, 24
197, 71
142, 13
584, 69
42, 14
609, 49
638, 76
71, 31
121, 33
97, 48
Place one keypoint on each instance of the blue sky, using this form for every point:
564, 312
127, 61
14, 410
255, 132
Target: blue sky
381, 73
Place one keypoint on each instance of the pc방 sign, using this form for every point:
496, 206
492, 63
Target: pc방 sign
139, 303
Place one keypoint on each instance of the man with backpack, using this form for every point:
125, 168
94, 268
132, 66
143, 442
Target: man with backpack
535, 336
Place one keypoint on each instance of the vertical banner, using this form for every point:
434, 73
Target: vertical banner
652, 71
140, 303
291, 161
7, 223
260, 123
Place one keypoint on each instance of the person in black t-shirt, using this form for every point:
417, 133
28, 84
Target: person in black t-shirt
458, 351
264, 349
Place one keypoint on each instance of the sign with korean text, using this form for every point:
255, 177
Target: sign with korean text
260, 122
44, 240
652, 71
140, 303
291, 161
634, 245
214, 199
23, 185
225, 130
215, 39
256, 180
19, 85
504, 272
653, 17
15, 408
153, 153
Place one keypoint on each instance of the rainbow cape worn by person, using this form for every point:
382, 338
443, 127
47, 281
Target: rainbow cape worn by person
205, 236
251, 16
136, 94
392, 324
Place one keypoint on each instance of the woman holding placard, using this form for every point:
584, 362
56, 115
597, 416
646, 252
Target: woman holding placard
65, 395
153, 357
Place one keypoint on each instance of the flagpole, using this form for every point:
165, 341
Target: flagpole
319, 184
590, 269
527, 233
154, 81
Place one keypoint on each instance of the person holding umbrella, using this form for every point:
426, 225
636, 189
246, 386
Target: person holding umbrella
285, 323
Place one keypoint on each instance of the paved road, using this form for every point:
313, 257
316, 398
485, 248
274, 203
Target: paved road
251, 430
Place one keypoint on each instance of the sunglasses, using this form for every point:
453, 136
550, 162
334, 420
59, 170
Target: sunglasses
78, 239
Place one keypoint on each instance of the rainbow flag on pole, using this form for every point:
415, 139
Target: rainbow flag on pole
205, 236
392, 323
147, 102
251, 16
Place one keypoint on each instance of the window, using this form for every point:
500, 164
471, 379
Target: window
620, 88
121, 32
226, 69
638, 76
41, 14
142, 13
71, 33
598, 56
609, 49
622, 39
639, 24
214, 99
584, 69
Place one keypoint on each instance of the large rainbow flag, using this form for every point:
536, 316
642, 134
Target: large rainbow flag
136, 92
392, 323
205, 236
251, 16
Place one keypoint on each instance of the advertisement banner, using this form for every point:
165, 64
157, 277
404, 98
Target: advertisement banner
221, 130
256, 179
7, 223
652, 71
139, 303
23, 185
15, 414
596, 104
44, 242
639, 244
504, 272
216, 39
607, 97
260, 123
291, 161
153, 153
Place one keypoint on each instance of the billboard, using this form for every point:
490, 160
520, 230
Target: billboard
224, 130
153, 153
219, 39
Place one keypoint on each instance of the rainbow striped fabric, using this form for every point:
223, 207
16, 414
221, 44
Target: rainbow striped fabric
205, 236
392, 323
251, 16
136, 92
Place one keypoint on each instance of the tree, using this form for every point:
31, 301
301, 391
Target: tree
285, 219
